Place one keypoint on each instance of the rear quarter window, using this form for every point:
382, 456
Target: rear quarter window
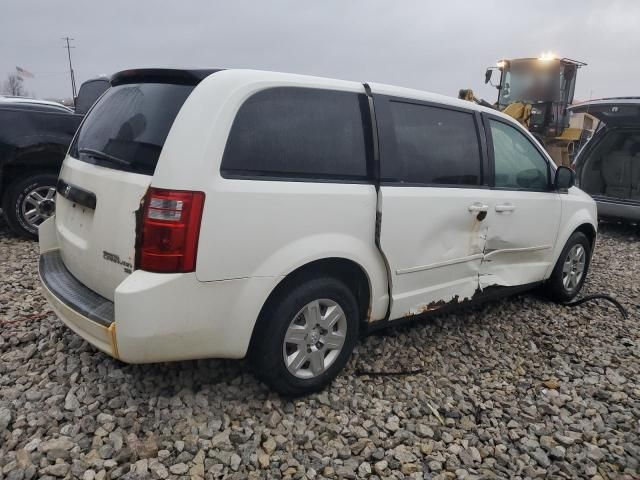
294, 132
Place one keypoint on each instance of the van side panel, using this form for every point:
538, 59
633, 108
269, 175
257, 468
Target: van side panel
176, 317
270, 228
263, 227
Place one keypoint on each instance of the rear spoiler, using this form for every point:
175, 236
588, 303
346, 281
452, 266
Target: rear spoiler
161, 75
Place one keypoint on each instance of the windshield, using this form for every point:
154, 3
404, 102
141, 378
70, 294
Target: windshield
128, 126
530, 82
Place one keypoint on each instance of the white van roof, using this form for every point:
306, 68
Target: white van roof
247, 76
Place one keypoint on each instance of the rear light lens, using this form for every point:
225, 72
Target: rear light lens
170, 231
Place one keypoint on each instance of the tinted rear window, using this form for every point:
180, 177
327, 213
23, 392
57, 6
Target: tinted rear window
433, 146
299, 132
90, 92
127, 128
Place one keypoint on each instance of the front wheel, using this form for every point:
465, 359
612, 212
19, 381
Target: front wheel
29, 201
570, 271
305, 336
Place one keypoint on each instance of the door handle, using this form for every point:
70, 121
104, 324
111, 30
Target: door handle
507, 207
478, 207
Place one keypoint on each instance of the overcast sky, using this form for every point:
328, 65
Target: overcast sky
440, 46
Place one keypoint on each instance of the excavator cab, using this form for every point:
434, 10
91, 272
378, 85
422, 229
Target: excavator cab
546, 84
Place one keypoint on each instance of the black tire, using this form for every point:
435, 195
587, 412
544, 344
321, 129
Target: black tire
266, 355
14, 197
555, 286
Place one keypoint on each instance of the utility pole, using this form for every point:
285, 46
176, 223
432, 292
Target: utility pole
73, 78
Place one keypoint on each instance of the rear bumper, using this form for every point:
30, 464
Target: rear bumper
82, 310
155, 317
61, 284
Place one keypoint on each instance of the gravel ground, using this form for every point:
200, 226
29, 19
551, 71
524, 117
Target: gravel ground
515, 389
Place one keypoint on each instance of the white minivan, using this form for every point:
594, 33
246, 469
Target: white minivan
279, 217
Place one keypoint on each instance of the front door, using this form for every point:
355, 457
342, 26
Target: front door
434, 202
524, 216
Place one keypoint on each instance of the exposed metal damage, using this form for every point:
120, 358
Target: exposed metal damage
491, 257
433, 306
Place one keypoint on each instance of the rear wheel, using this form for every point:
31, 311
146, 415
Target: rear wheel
570, 271
29, 201
305, 336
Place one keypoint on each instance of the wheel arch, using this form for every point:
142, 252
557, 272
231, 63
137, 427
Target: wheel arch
581, 221
42, 158
353, 274
589, 231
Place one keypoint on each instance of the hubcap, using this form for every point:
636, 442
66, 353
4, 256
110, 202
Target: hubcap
315, 338
38, 205
573, 268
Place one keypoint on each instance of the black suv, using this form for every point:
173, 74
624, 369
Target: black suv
34, 137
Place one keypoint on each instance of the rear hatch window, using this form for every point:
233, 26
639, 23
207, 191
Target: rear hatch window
128, 126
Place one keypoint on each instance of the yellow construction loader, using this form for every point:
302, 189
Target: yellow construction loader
537, 92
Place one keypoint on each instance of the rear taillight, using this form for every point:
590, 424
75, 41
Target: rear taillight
170, 230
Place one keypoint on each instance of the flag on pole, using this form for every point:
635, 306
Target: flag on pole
24, 73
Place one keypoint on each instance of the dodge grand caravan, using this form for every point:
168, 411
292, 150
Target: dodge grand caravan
278, 217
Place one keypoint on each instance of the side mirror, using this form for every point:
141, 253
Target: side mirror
487, 75
565, 178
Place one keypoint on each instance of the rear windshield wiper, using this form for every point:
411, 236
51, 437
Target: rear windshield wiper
103, 156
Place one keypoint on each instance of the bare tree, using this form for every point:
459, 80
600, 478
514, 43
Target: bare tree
13, 85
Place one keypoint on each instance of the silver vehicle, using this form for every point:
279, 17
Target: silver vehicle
608, 167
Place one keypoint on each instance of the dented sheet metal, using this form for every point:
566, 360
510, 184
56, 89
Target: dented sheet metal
498, 266
434, 245
457, 292
519, 243
457, 251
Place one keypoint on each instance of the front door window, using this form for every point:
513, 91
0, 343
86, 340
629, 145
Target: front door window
518, 164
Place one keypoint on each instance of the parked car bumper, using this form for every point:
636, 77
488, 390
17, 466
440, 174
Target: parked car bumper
156, 317
624, 210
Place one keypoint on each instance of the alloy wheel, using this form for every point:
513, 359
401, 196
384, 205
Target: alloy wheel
314, 338
38, 205
573, 268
